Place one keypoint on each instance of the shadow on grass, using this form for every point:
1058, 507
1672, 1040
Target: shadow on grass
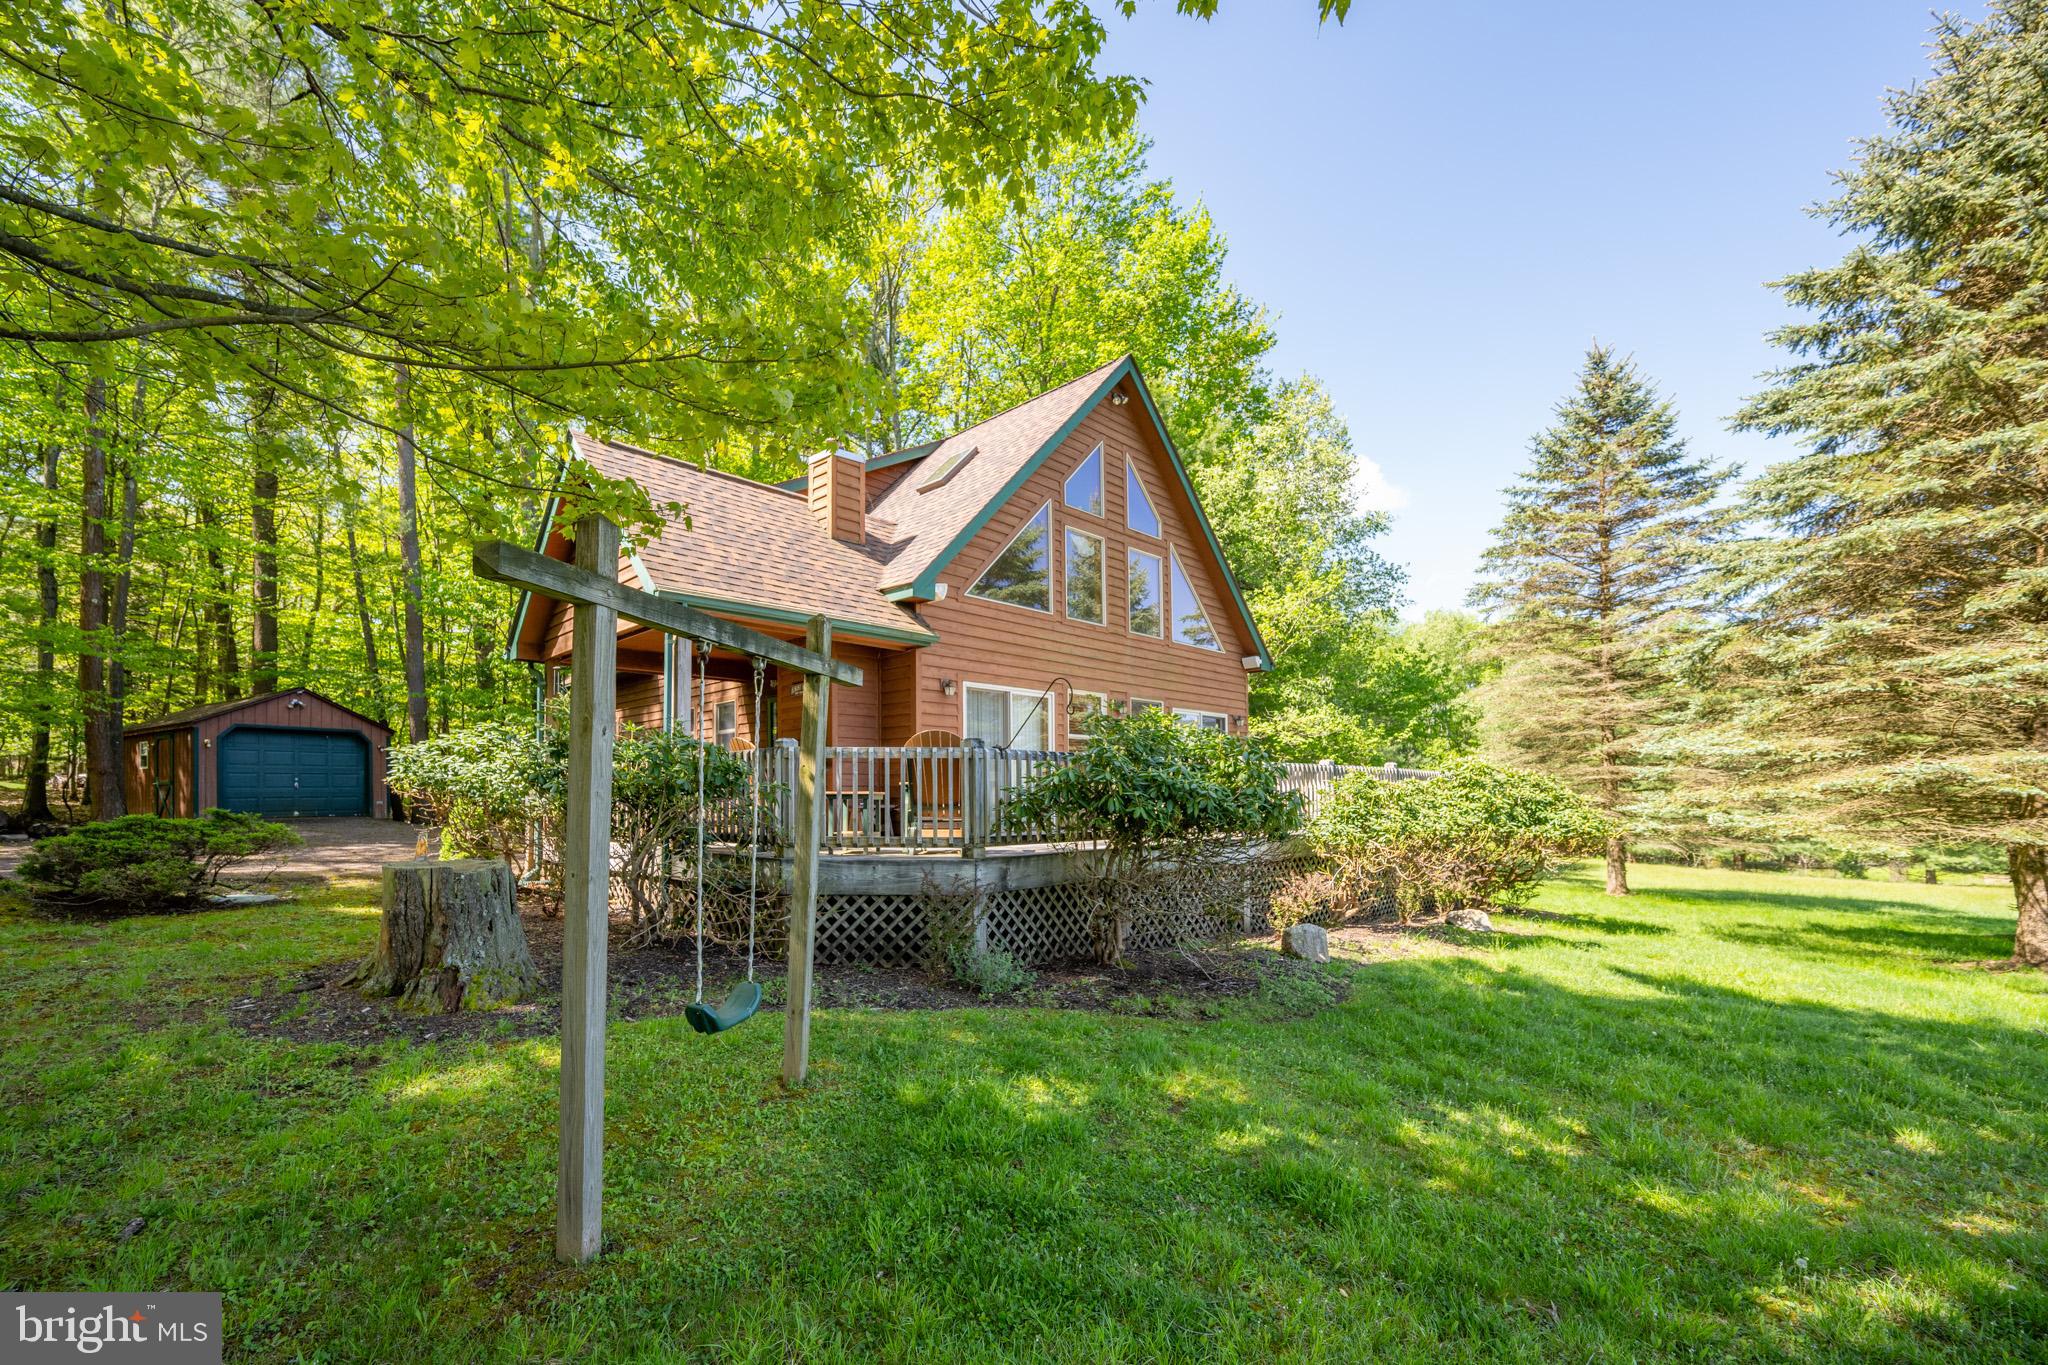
1487, 1161
1689, 897
1602, 924
1935, 937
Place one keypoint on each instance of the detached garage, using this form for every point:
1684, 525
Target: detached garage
285, 755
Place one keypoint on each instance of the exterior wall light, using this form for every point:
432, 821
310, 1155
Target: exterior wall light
946, 686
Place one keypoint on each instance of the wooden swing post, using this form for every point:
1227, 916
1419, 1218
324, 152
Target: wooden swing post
600, 601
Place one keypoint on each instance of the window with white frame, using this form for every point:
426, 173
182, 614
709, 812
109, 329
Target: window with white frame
1006, 717
1205, 720
726, 721
1021, 574
1140, 704
1147, 616
1087, 583
1139, 514
1083, 710
1084, 485
1190, 622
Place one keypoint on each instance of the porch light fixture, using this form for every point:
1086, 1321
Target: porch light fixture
946, 686
1119, 398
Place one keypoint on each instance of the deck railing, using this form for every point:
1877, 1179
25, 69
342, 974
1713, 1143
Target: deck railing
955, 797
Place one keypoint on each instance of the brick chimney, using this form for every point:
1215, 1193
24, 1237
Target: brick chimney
839, 494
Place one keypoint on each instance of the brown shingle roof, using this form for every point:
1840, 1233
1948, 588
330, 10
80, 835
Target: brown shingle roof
192, 715
751, 545
927, 523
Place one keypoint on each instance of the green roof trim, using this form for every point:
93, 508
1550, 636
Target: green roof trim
540, 547
640, 567
925, 586
789, 617
802, 482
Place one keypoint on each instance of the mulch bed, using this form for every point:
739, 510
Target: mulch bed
659, 981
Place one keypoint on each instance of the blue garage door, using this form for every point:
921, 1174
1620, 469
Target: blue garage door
294, 772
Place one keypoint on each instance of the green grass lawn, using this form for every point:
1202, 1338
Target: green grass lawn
1737, 1116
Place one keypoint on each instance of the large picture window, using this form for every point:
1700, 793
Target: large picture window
1146, 595
1084, 485
1085, 583
1190, 622
1022, 574
1139, 514
1006, 718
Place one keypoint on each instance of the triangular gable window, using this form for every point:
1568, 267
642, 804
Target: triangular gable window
1138, 513
1022, 574
1084, 485
1190, 622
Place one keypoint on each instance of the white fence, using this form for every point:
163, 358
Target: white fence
957, 797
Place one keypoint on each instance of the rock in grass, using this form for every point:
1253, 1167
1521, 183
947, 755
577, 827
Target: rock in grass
1470, 920
1309, 942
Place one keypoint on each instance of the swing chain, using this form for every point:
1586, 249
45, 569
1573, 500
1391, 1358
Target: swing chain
703, 648
754, 800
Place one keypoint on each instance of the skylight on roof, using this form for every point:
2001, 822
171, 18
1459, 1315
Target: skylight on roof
946, 469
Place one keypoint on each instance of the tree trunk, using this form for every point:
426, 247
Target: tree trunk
409, 556
2027, 864
219, 612
124, 579
35, 803
355, 568
1740, 862
263, 489
102, 737
451, 939
1617, 866
319, 547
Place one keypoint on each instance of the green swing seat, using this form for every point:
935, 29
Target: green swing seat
738, 1006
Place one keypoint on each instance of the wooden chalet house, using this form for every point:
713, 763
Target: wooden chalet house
1003, 585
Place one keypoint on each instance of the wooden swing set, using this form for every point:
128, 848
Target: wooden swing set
591, 587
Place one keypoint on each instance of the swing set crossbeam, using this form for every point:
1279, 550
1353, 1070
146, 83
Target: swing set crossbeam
600, 601
505, 563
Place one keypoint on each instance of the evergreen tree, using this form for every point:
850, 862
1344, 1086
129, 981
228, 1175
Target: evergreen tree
1895, 656
1597, 564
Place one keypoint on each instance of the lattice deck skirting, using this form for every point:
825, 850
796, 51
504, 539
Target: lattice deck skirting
898, 911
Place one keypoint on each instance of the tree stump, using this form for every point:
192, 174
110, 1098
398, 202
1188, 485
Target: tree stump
451, 938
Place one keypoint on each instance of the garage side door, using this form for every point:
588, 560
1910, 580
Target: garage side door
285, 773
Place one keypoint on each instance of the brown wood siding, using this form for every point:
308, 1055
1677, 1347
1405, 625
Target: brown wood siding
881, 481
639, 702
199, 782
169, 759
897, 708
1008, 646
839, 502
854, 714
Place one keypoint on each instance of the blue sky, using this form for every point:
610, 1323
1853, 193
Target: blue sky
1443, 204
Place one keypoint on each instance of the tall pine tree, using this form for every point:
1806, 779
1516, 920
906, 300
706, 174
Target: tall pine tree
1597, 564
1896, 656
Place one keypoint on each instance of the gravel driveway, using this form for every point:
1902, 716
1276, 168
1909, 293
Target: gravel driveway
350, 846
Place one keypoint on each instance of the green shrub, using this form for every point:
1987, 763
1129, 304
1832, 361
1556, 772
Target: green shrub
1173, 807
143, 864
990, 971
1147, 779
1849, 863
483, 786
1307, 897
1477, 834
